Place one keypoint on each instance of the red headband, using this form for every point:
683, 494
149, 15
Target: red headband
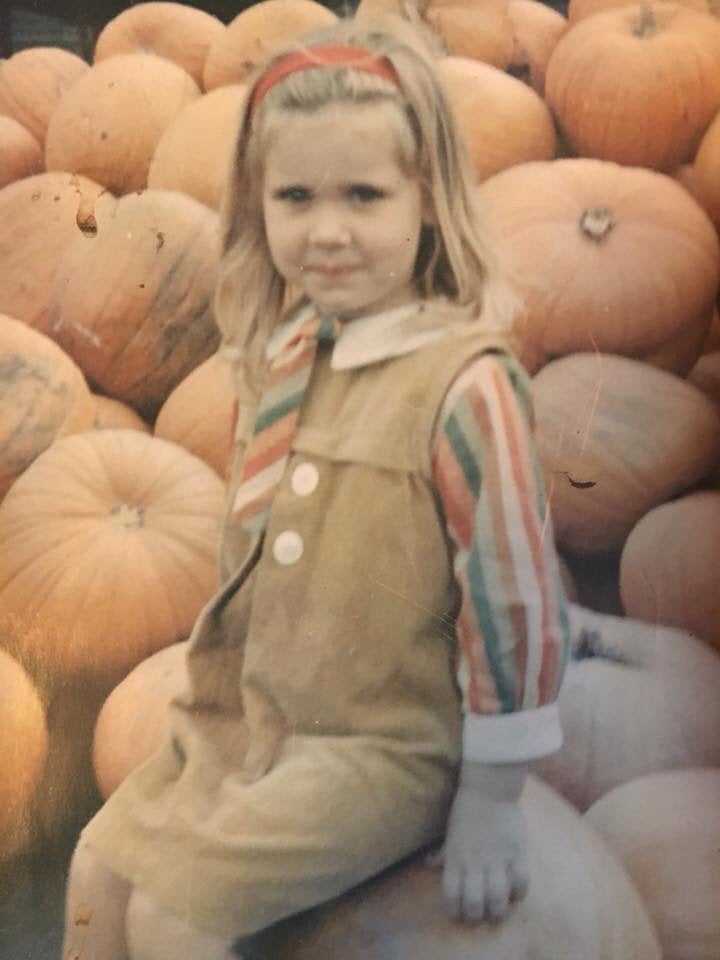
358, 58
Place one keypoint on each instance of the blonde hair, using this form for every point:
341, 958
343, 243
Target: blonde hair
454, 259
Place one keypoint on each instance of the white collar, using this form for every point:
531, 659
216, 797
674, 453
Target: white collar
375, 337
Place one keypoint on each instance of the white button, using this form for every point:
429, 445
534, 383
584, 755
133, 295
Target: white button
288, 547
304, 479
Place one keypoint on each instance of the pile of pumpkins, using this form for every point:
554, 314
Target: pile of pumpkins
595, 140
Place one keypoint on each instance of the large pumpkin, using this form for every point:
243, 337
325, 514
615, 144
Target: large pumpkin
23, 747
39, 217
176, 31
615, 438
134, 308
256, 33
537, 28
605, 258
108, 124
109, 545
33, 80
638, 84
669, 566
636, 698
195, 152
502, 120
43, 396
20, 153
580, 904
665, 829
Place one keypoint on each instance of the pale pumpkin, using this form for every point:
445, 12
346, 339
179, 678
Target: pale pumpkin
33, 80
706, 170
23, 748
195, 152
537, 28
636, 698
179, 32
39, 217
198, 414
135, 720
669, 566
638, 84
256, 33
20, 153
109, 548
706, 375
108, 124
476, 29
665, 829
43, 396
580, 904
605, 258
615, 438
502, 121
134, 308
114, 415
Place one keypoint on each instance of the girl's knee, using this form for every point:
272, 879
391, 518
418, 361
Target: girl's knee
154, 933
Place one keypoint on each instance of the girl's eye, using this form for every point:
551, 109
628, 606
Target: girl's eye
293, 194
365, 192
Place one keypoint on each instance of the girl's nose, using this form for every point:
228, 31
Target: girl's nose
329, 229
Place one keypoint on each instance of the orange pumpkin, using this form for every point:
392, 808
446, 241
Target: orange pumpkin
133, 309
665, 830
255, 33
134, 719
636, 698
109, 544
198, 414
580, 9
502, 120
20, 153
638, 84
33, 80
108, 124
537, 28
115, 415
176, 31
669, 565
712, 339
39, 217
195, 151
43, 395
616, 438
605, 258
23, 748
706, 375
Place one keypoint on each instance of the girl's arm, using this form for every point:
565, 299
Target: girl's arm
512, 627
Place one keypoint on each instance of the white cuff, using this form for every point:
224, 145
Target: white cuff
512, 737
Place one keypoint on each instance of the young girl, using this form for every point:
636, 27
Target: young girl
383, 657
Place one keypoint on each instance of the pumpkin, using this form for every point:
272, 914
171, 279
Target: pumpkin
502, 121
580, 904
33, 80
636, 698
20, 153
134, 719
537, 28
638, 84
475, 29
39, 216
706, 374
173, 30
580, 9
134, 308
712, 339
23, 748
665, 828
195, 152
630, 438
108, 124
114, 414
706, 170
255, 34
669, 565
109, 543
43, 396
605, 258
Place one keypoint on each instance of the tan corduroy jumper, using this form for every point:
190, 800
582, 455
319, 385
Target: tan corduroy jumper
319, 739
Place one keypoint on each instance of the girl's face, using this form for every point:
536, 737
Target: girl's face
342, 218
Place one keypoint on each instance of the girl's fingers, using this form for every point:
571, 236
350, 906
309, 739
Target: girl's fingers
519, 873
474, 893
452, 888
497, 892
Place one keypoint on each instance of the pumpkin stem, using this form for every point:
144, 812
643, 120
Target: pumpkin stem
128, 514
597, 223
647, 24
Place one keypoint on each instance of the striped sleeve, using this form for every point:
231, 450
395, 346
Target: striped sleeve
512, 626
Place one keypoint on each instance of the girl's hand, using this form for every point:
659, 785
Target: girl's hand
484, 857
